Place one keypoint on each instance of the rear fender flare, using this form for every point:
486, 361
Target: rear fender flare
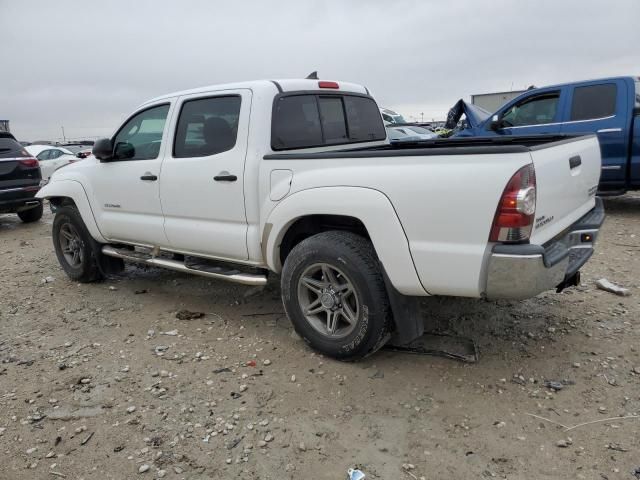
370, 206
75, 191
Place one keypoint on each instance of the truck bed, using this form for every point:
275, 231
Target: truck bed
441, 146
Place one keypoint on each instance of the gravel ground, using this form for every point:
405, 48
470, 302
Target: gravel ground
104, 381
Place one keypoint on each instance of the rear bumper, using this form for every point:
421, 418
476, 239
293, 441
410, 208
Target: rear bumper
18, 199
523, 271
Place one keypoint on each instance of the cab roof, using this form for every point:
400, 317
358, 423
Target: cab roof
271, 86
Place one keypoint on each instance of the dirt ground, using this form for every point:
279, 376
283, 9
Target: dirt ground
103, 381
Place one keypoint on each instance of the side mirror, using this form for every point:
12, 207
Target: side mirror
103, 149
496, 123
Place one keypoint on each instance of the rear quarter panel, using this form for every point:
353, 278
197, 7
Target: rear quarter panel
445, 204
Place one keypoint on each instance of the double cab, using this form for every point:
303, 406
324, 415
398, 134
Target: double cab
297, 178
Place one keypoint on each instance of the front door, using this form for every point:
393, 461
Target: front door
126, 188
201, 184
535, 115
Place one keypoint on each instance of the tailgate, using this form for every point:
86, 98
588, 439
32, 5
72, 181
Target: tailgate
567, 176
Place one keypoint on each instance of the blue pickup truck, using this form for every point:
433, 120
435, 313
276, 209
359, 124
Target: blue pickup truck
609, 107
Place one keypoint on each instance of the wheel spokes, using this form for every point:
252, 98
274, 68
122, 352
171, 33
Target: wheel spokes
314, 285
329, 276
332, 321
314, 307
348, 313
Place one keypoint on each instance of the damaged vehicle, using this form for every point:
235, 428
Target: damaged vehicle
298, 178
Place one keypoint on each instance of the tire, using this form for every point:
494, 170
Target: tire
74, 246
347, 317
32, 215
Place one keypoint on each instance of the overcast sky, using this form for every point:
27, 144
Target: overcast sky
87, 64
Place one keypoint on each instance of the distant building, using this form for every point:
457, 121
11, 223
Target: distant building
493, 101
4, 126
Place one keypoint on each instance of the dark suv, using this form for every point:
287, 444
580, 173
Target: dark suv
19, 180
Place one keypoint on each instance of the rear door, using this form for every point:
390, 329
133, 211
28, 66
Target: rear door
201, 184
602, 108
538, 113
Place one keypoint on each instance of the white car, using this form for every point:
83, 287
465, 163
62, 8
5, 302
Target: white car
51, 158
409, 133
297, 177
390, 117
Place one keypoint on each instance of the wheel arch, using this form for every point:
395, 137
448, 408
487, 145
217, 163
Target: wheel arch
365, 211
71, 192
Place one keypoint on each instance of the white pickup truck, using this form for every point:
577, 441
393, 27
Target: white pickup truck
296, 177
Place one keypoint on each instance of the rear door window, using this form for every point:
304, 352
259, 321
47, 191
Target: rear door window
538, 110
44, 155
593, 102
315, 120
207, 126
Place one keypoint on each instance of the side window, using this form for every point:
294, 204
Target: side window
141, 136
594, 101
537, 110
207, 126
44, 155
55, 154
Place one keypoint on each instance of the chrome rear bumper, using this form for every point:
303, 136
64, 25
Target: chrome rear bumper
523, 271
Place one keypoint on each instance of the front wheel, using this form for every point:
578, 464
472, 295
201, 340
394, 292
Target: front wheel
334, 294
73, 246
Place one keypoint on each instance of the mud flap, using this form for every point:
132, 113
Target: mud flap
406, 315
409, 336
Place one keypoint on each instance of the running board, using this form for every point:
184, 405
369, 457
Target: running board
222, 274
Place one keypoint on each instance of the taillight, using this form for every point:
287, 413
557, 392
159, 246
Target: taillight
516, 211
325, 84
29, 162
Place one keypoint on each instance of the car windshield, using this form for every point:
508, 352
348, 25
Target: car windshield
398, 119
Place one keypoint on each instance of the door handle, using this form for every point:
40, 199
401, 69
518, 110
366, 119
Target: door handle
149, 177
575, 162
225, 177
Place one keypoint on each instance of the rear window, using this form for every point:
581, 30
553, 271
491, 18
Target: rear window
594, 101
11, 148
315, 120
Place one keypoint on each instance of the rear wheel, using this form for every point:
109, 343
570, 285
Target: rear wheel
334, 294
32, 215
73, 246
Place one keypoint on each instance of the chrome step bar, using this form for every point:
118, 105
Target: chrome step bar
232, 276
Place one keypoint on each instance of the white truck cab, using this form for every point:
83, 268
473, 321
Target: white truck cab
297, 177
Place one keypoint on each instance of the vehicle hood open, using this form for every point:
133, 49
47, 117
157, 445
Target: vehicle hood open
475, 114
